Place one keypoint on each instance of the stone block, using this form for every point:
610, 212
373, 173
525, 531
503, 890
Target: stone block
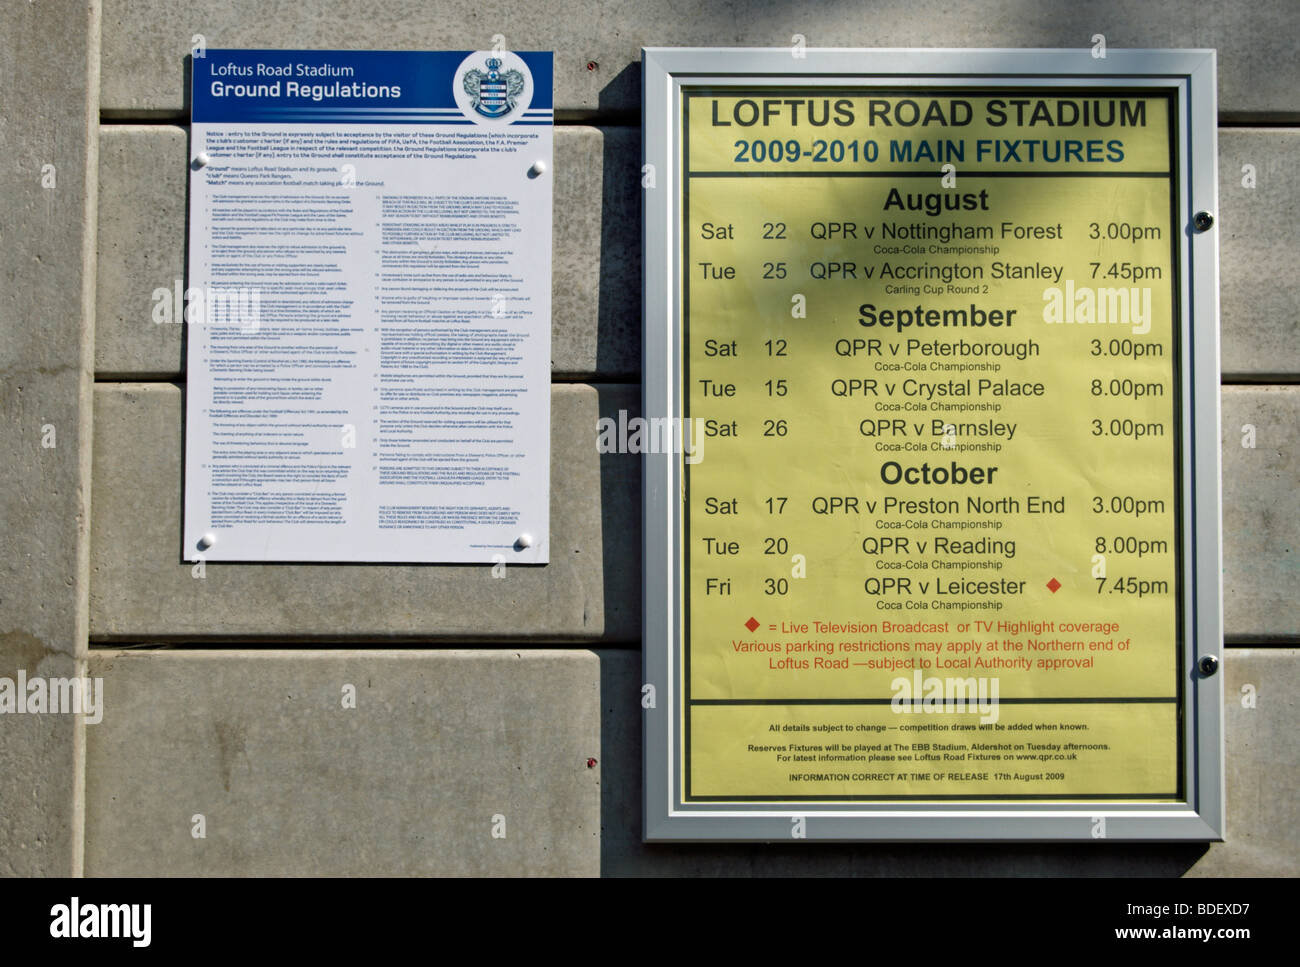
442, 750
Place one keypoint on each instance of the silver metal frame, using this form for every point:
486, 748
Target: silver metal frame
1191, 75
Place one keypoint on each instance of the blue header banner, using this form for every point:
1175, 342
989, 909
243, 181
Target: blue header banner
370, 86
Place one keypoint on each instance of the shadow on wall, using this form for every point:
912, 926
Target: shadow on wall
618, 322
624, 88
620, 522
618, 356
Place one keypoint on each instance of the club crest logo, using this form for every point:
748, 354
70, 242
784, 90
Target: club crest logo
494, 93
493, 88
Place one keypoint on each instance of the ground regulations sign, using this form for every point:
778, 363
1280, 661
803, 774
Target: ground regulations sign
932, 520
368, 307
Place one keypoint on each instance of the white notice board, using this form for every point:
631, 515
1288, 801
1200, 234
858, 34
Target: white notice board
368, 307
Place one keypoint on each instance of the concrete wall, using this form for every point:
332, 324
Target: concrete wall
482, 702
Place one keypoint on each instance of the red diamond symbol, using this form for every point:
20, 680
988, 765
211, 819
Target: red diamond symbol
751, 624
1053, 585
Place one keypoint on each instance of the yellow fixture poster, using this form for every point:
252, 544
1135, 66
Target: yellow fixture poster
930, 505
